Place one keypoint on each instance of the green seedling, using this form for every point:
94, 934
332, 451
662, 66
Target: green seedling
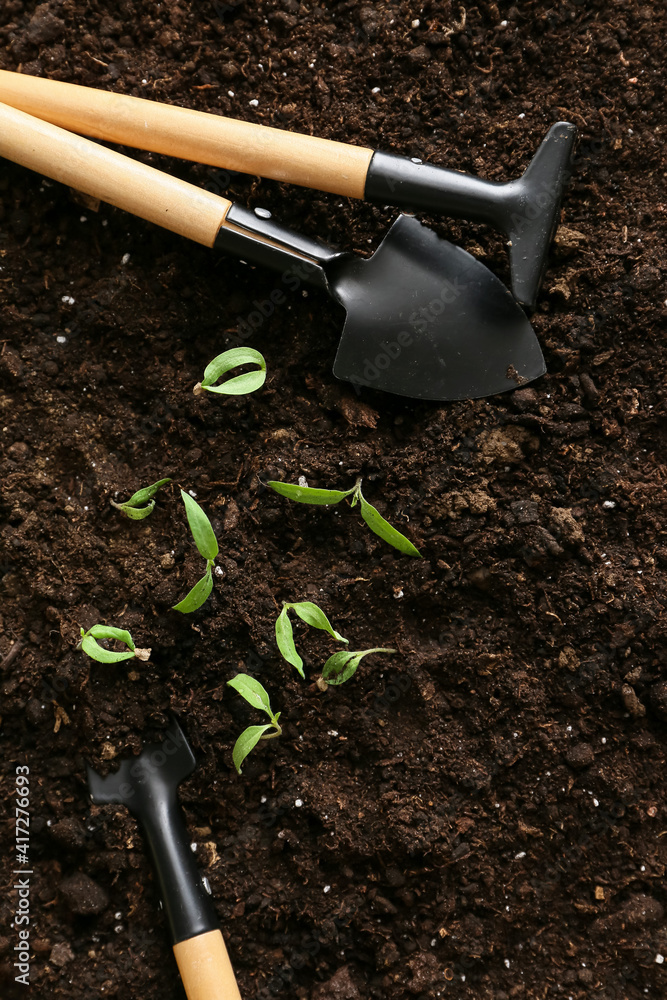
133, 508
311, 615
372, 517
255, 694
207, 544
92, 648
240, 384
340, 667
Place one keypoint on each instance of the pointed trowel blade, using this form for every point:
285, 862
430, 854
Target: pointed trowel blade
427, 320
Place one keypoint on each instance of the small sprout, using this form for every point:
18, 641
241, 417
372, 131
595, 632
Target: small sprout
92, 648
311, 615
240, 384
207, 544
372, 517
255, 694
133, 508
340, 667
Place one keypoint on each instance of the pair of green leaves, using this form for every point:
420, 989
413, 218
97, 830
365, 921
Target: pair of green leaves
202, 532
207, 545
311, 615
340, 666
92, 648
240, 385
372, 517
133, 508
338, 669
255, 694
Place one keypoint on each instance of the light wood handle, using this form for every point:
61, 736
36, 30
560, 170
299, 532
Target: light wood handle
205, 968
111, 177
193, 135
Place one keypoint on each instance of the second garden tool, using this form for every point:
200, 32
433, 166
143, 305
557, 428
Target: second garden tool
424, 318
147, 786
526, 209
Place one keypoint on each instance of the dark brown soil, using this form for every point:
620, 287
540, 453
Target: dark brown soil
483, 815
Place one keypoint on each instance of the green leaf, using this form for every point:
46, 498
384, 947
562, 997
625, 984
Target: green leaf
132, 509
108, 632
305, 494
240, 384
340, 667
377, 523
201, 529
285, 640
199, 594
135, 513
314, 616
253, 692
143, 496
99, 653
246, 742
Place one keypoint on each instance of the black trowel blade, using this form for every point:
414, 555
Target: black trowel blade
427, 320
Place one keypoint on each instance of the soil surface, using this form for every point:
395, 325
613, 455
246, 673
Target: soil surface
483, 813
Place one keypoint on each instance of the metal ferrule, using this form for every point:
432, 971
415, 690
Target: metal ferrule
259, 239
396, 180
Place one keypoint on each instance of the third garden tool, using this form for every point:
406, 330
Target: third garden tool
526, 210
147, 786
424, 318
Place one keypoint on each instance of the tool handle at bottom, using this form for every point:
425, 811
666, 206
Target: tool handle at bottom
205, 968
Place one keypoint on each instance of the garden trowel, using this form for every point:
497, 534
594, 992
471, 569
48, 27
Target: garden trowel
525, 209
424, 318
147, 786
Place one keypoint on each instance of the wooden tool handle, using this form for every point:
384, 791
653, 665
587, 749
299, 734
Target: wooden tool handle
111, 177
193, 135
205, 968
